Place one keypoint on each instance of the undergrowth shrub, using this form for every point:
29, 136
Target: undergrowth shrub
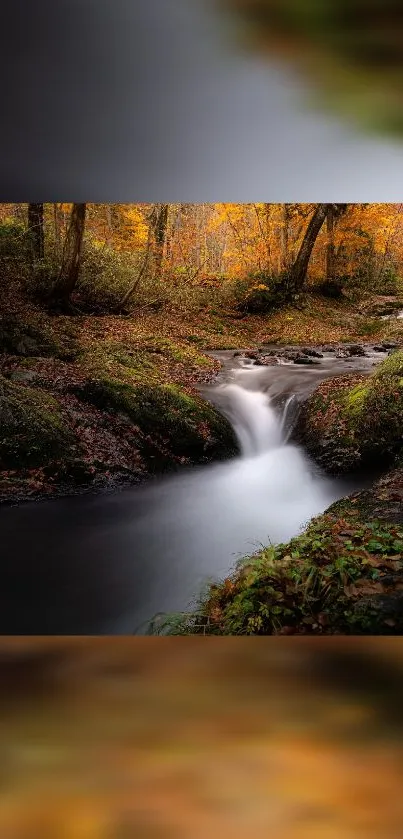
333, 289
107, 274
14, 249
263, 293
369, 278
390, 282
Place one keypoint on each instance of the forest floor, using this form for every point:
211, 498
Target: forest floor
59, 356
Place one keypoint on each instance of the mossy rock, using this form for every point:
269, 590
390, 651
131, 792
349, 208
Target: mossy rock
143, 364
184, 425
32, 429
105, 359
355, 421
35, 339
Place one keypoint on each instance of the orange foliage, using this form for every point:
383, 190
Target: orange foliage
208, 243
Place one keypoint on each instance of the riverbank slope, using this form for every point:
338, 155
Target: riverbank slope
95, 402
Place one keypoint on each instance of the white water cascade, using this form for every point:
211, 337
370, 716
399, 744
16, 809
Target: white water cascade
131, 555
253, 418
206, 519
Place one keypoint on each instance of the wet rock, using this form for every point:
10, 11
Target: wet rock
266, 361
342, 353
389, 345
304, 360
23, 376
237, 354
312, 353
385, 611
378, 348
78, 471
27, 346
329, 348
356, 350
253, 355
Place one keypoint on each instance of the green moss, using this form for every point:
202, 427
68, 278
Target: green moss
115, 360
372, 326
346, 424
175, 351
32, 428
392, 366
355, 399
37, 337
189, 428
149, 363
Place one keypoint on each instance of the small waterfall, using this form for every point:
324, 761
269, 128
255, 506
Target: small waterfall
151, 549
290, 413
256, 424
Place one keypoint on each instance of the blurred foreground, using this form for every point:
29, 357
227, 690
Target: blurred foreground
351, 50
201, 737
160, 101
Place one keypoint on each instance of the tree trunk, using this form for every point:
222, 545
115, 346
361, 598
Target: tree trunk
285, 248
58, 225
159, 224
109, 224
71, 258
297, 273
330, 254
130, 291
35, 230
333, 214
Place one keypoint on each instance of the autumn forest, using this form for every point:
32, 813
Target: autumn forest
208, 378
204, 246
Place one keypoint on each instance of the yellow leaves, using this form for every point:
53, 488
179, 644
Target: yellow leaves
98, 244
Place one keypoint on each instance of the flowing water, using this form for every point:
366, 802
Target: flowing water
109, 563
398, 315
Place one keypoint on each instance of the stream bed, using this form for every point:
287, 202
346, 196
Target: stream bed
106, 564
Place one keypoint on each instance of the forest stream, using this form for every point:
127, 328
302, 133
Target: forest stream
109, 563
